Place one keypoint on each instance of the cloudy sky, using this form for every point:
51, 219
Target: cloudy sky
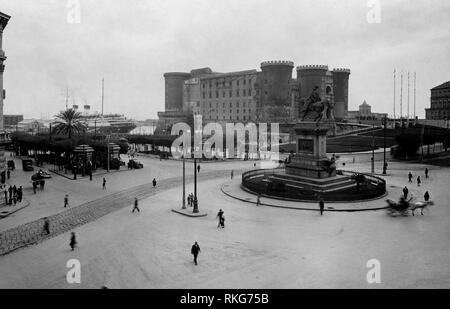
132, 43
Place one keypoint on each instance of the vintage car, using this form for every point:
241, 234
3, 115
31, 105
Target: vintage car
41, 174
27, 165
133, 164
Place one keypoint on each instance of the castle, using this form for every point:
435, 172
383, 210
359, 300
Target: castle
268, 95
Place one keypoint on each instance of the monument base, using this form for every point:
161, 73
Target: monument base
307, 166
311, 159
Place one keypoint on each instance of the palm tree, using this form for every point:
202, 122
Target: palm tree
69, 122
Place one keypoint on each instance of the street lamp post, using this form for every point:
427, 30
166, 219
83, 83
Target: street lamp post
384, 145
107, 149
184, 182
373, 149
195, 187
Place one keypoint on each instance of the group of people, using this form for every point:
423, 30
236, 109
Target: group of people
191, 200
13, 195
419, 182
36, 183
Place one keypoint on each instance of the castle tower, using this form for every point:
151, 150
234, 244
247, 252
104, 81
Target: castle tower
309, 76
3, 137
340, 85
174, 84
275, 88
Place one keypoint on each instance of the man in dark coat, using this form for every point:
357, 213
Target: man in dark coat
220, 215
321, 206
73, 241
426, 196
47, 227
195, 250
136, 205
410, 176
154, 182
405, 192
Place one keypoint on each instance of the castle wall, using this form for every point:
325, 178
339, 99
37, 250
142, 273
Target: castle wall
174, 85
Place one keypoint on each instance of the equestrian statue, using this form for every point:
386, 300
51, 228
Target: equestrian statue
315, 106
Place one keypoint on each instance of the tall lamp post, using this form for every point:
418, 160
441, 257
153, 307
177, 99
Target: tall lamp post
195, 187
107, 150
373, 149
384, 145
184, 181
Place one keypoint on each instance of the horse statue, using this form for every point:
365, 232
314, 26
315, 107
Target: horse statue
323, 110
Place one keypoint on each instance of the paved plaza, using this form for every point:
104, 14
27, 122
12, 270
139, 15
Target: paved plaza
260, 247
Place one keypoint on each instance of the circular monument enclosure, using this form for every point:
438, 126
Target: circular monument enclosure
346, 186
309, 174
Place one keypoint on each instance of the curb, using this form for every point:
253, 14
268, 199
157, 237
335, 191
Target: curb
190, 214
16, 210
309, 209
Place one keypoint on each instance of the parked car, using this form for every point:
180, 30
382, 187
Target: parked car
133, 164
41, 174
27, 165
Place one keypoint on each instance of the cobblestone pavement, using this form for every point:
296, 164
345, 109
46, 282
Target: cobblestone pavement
32, 233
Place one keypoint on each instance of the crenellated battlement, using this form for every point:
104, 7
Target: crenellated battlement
341, 70
277, 62
312, 67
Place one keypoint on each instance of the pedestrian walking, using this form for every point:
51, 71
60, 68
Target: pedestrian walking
232, 174
5, 191
136, 205
419, 181
10, 191
46, 229
220, 215
195, 250
34, 186
426, 173
73, 241
426, 196
189, 198
20, 194
410, 177
154, 182
321, 206
405, 192
104, 183
66, 201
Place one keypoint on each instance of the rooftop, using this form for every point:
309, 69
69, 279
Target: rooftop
445, 85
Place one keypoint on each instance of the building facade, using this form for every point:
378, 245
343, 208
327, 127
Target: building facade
4, 140
269, 95
10, 121
365, 113
440, 103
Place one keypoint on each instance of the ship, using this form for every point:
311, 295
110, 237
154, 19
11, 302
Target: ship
109, 123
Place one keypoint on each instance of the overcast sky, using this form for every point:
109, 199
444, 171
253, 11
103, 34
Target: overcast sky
132, 43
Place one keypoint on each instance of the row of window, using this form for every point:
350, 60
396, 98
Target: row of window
244, 104
245, 93
212, 111
229, 83
245, 118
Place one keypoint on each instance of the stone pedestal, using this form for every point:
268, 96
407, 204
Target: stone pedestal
311, 159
